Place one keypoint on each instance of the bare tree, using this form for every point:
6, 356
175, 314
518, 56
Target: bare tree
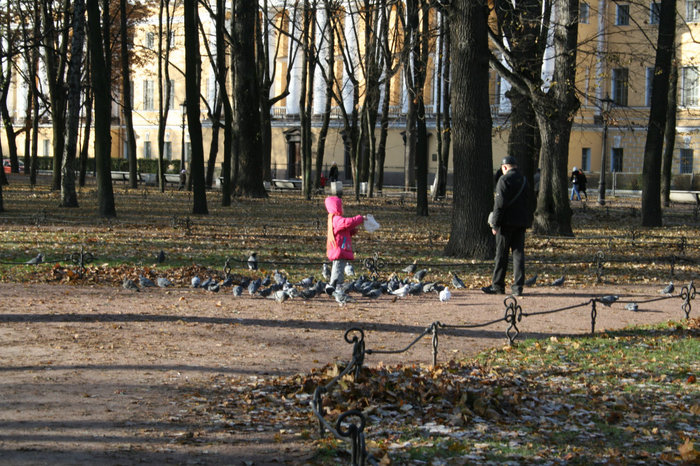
442, 113
669, 133
69, 198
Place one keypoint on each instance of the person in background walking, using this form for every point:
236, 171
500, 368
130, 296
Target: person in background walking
575, 179
333, 172
582, 184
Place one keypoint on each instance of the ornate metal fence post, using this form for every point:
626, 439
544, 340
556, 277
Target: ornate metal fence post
594, 314
374, 264
687, 295
356, 435
358, 349
434, 327
81, 259
514, 314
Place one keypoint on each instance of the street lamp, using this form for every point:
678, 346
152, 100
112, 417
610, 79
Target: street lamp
607, 103
182, 146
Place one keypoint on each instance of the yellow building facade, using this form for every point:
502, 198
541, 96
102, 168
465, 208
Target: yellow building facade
615, 63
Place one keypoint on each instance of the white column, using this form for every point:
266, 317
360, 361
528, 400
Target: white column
352, 52
295, 75
320, 96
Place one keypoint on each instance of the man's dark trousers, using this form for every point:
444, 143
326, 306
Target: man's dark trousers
510, 238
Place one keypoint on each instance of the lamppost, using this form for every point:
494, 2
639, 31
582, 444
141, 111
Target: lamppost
607, 103
182, 146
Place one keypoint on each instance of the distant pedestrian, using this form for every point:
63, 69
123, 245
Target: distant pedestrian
575, 184
183, 180
582, 183
333, 172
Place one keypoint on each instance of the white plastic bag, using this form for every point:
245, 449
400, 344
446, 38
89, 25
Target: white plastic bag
371, 224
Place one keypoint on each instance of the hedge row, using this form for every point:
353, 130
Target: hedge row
144, 165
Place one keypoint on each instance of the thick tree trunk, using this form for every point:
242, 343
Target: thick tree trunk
192, 90
69, 197
651, 173
100, 86
470, 235
247, 109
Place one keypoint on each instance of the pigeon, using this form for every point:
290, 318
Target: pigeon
559, 281
207, 282
445, 295
228, 281
196, 282
307, 282
254, 286
253, 261
402, 291
213, 286
129, 284
325, 272
160, 258
280, 296
36, 260
146, 282
410, 268
668, 290
308, 294
237, 290
531, 281
631, 306
278, 277
608, 300
418, 276
374, 293
265, 292
349, 270
456, 281
163, 282
341, 298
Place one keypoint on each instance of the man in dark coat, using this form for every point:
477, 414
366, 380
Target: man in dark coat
509, 220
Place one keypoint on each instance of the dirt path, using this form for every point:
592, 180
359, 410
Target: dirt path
97, 374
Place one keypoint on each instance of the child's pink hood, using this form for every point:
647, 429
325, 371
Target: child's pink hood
334, 205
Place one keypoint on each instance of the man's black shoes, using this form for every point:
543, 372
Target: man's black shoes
492, 290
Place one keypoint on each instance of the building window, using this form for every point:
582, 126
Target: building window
649, 85
168, 150
586, 159
692, 11
172, 94
654, 11
622, 18
146, 149
620, 82
47, 144
689, 86
616, 162
150, 40
584, 13
686, 161
148, 95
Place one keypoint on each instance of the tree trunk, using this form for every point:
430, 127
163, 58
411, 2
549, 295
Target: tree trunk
100, 86
669, 135
69, 197
470, 236
214, 146
86, 132
653, 149
651, 172
246, 93
192, 89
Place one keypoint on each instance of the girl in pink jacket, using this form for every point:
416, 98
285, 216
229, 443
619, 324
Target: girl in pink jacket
338, 242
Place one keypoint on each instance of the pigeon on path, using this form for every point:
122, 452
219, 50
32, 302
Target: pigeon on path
410, 268
456, 281
254, 286
146, 282
531, 281
253, 261
163, 282
36, 260
420, 275
445, 295
237, 290
129, 284
196, 282
349, 270
160, 258
341, 298
668, 291
402, 291
559, 281
631, 306
608, 300
280, 296
325, 272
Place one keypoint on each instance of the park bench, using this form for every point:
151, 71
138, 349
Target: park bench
124, 176
172, 178
677, 195
292, 184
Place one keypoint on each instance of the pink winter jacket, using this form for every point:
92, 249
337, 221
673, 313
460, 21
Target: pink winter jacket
340, 230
